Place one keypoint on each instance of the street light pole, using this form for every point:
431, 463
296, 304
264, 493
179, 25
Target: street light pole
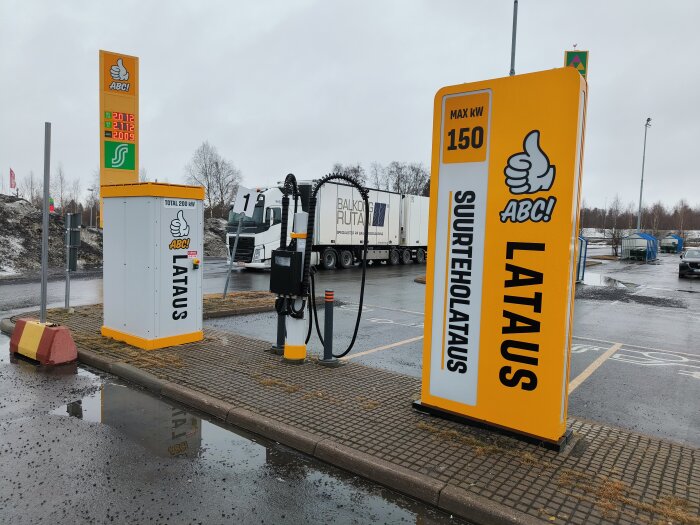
512, 42
647, 125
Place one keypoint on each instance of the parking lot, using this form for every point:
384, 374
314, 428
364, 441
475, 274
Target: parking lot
635, 357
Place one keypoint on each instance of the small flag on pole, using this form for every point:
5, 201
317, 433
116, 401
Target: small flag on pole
13, 182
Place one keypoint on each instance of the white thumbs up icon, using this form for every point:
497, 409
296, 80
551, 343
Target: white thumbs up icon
529, 171
118, 71
179, 226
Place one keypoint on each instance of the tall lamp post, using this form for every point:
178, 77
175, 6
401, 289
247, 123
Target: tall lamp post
512, 41
647, 125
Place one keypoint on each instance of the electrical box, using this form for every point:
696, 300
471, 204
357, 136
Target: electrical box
152, 273
285, 272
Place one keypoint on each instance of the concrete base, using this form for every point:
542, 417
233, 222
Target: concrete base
558, 445
293, 361
46, 343
277, 350
331, 363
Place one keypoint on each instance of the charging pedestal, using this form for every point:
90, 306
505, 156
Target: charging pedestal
286, 276
152, 275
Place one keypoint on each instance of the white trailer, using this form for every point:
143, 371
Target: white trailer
397, 230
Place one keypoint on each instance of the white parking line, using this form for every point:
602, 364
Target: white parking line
581, 338
385, 308
385, 347
573, 385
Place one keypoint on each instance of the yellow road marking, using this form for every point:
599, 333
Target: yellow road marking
573, 385
385, 347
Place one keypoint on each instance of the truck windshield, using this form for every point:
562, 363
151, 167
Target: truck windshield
254, 224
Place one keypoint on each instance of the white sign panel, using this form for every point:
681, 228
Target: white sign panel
245, 201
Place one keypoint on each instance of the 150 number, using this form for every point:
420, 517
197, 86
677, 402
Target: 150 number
467, 138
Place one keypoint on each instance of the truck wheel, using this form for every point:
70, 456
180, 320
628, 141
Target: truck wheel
328, 259
405, 256
420, 256
346, 259
394, 256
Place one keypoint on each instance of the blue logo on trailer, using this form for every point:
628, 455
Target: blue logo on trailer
379, 214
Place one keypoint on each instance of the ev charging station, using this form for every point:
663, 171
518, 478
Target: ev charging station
153, 246
292, 278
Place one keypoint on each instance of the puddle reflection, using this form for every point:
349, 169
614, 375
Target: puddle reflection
599, 279
165, 430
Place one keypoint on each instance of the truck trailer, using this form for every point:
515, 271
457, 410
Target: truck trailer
397, 231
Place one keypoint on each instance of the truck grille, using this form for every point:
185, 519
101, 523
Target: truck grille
244, 250
694, 265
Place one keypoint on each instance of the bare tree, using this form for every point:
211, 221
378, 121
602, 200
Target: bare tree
682, 214
75, 193
218, 176
657, 213
377, 176
356, 171
143, 175
612, 223
32, 189
59, 186
407, 178
226, 180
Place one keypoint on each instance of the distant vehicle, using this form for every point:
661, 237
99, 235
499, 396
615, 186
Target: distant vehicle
398, 228
690, 263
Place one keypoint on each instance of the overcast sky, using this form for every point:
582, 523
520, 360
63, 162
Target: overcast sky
280, 86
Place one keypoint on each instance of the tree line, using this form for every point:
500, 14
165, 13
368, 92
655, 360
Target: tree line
402, 177
657, 219
65, 191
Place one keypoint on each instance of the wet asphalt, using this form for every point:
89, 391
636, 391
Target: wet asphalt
105, 467
83, 447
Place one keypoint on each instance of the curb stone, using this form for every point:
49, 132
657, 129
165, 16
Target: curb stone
7, 326
480, 510
297, 439
206, 403
388, 474
95, 360
138, 376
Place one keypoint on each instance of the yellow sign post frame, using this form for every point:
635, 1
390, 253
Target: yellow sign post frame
504, 207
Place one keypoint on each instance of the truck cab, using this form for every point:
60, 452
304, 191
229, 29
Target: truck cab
260, 234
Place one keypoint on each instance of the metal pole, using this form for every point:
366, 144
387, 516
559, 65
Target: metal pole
512, 42
278, 347
647, 125
68, 224
328, 359
45, 222
233, 255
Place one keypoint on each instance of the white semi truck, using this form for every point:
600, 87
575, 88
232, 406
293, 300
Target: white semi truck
397, 232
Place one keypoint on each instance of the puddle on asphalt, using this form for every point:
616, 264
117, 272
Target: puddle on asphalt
598, 279
163, 429
169, 431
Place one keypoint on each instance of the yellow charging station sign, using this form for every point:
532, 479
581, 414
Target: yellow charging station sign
504, 206
119, 118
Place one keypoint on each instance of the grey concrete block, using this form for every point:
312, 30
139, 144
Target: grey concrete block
138, 376
393, 476
480, 510
204, 402
281, 432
